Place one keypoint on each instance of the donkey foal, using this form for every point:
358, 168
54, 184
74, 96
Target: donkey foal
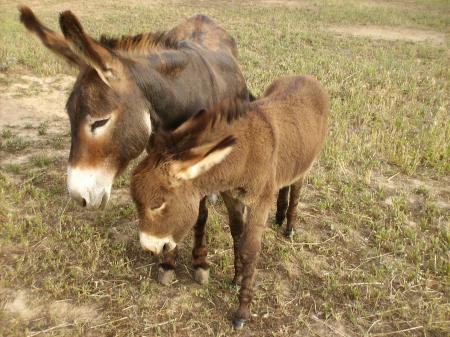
246, 152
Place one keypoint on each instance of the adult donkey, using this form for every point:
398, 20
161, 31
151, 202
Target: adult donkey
129, 86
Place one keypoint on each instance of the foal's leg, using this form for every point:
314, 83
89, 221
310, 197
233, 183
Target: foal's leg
282, 205
166, 271
236, 211
200, 250
249, 250
292, 209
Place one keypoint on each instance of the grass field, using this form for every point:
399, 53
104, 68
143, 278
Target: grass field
371, 254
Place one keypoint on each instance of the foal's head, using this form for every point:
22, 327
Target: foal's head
164, 184
109, 115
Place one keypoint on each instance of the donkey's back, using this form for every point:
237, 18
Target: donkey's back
298, 107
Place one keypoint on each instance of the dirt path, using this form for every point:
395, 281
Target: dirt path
391, 33
29, 100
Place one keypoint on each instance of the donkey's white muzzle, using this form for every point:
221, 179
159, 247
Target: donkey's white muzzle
156, 245
90, 187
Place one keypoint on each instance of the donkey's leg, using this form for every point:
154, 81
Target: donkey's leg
200, 250
249, 250
166, 270
282, 205
292, 209
236, 211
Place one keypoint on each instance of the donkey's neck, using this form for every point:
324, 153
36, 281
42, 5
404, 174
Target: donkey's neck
160, 94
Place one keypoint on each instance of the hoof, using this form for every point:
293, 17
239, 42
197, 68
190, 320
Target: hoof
289, 233
166, 276
201, 275
238, 323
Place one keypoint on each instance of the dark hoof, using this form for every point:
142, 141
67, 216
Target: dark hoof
238, 323
166, 276
289, 233
201, 275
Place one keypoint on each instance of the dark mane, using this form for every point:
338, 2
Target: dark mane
186, 136
140, 43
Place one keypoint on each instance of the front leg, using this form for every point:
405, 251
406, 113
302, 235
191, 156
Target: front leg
200, 250
166, 270
249, 250
236, 210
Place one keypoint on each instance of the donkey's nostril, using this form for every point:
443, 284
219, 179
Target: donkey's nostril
83, 202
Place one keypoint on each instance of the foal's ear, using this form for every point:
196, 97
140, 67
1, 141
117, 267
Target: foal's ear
53, 41
90, 51
202, 158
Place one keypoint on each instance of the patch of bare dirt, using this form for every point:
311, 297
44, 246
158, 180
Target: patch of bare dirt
121, 196
29, 100
414, 187
391, 33
25, 307
30, 105
429, 6
283, 3
326, 328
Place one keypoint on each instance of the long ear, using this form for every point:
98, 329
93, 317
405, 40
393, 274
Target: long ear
90, 51
202, 158
53, 41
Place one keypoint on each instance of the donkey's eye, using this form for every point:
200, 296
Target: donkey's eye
98, 124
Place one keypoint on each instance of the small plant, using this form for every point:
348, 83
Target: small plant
423, 191
14, 144
57, 142
42, 128
12, 168
40, 160
6, 134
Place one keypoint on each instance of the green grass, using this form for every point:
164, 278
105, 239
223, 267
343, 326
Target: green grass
9, 142
370, 256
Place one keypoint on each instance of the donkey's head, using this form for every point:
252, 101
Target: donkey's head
164, 185
109, 115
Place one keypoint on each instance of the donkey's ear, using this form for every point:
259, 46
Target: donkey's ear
202, 158
90, 51
53, 41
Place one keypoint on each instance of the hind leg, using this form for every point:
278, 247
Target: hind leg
200, 250
282, 205
291, 213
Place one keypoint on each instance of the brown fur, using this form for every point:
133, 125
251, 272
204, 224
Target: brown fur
199, 29
272, 146
167, 75
164, 75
